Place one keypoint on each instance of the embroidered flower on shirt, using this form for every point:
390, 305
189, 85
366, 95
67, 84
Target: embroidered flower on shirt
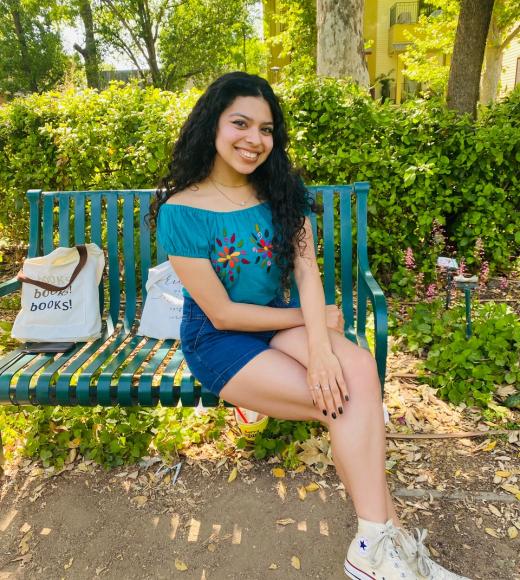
227, 265
263, 247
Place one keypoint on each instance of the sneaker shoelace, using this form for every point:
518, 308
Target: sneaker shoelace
414, 548
385, 545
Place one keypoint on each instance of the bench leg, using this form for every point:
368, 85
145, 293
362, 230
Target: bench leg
2, 458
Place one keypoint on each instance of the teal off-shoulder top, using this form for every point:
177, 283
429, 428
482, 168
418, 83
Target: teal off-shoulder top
238, 244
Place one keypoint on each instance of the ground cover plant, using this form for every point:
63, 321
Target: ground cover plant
441, 185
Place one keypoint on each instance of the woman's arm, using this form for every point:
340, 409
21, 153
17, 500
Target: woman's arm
324, 370
199, 278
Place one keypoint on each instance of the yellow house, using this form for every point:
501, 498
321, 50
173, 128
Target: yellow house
386, 29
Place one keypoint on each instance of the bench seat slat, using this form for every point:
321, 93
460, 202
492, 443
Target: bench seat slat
126, 393
105, 379
145, 392
169, 394
6, 392
85, 389
45, 382
22, 390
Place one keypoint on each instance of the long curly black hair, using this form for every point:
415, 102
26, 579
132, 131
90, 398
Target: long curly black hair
275, 181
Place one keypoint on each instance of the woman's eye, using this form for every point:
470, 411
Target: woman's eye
239, 123
268, 130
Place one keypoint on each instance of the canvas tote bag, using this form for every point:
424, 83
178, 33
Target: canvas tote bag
162, 312
60, 298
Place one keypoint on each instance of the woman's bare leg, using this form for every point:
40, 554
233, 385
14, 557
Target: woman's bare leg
274, 383
294, 343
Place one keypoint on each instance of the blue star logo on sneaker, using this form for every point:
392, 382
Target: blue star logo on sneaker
363, 545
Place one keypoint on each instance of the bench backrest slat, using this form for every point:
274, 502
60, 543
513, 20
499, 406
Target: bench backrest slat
130, 263
113, 254
144, 240
64, 220
346, 249
79, 219
48, 223
117, 222
328, 246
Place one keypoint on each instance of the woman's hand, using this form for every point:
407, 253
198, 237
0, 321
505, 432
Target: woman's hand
326, 382
335, 318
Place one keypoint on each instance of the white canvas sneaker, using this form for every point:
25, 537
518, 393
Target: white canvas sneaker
418, 558
372, 554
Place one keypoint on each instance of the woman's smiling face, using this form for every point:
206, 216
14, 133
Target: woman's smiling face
244, 136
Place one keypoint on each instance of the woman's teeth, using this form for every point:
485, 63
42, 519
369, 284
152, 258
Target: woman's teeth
248, 155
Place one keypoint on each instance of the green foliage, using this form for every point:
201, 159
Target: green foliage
297, 38
31, 55
204, 39
431, 44
465, 370
281, 438
423, 163
110, 436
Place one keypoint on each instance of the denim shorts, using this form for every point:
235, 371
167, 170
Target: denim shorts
215, 356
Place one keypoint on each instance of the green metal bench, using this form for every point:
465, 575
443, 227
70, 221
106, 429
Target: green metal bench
121, 368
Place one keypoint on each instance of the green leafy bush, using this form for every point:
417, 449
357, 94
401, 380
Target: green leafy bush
465, 370
110, 436
428, 168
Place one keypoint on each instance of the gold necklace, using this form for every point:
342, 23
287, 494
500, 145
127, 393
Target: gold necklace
239, 203
232, 186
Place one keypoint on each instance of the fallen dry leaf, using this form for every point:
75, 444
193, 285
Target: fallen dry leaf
278, 472
492, 532
501, 473
295, 562
285, 521
25, 528
512, 532
24, 544
302, 493
312, 486
282, 490
180, 565
233, 475
273, 566
45, 531
495, 511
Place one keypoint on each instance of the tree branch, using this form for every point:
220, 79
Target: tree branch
127, 26
510, 37
81, 50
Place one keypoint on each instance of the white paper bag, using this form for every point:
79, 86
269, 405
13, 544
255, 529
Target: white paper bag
69, 314
162, 312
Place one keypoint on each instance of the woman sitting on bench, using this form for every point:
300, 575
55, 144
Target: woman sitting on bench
232, 216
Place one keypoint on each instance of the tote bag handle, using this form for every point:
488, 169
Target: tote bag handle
82, 251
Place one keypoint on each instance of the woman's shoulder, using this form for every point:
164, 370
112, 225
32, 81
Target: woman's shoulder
187, 197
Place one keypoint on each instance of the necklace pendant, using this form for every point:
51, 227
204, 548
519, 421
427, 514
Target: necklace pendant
242, 203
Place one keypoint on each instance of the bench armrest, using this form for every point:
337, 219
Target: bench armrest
369, 289
9, 287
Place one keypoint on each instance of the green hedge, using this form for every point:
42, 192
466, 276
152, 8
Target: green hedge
426, 165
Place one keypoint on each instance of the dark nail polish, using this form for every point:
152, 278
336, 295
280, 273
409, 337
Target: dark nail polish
340, 410
334, 415
325, 412
346, 397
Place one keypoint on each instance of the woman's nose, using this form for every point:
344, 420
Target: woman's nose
254, 136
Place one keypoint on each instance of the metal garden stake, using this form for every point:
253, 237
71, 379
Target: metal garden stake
467, 284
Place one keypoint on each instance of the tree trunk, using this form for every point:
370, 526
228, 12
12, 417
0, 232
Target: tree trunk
340, 40
468, 54
89, 52
491, 76
149, 40
24, 51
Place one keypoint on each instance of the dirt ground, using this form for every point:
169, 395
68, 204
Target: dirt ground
85, 523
